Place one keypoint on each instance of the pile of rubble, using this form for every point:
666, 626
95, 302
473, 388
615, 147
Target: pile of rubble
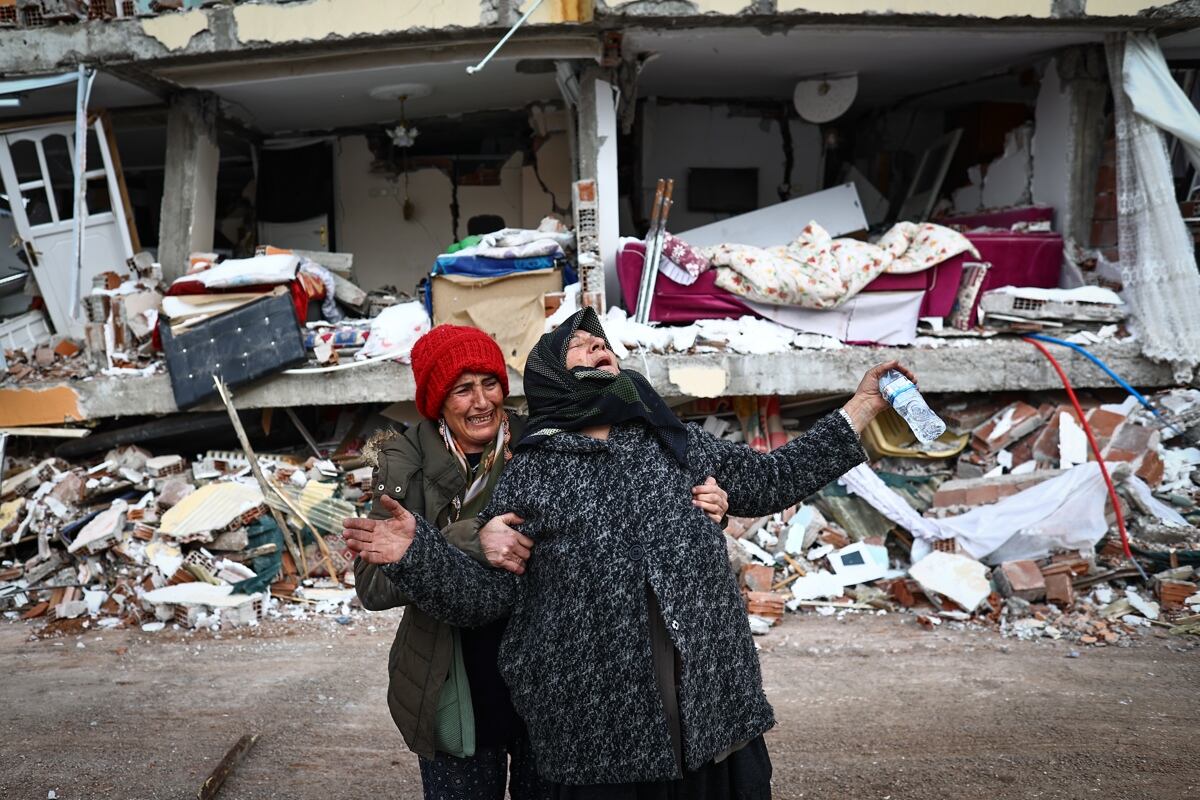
121, 314
919, 536
137, 539
1004, 522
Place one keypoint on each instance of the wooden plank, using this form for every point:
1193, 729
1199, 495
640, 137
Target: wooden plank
53, 433
212, 784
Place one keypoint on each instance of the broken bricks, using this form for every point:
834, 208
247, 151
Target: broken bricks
1020, 579
1059, 589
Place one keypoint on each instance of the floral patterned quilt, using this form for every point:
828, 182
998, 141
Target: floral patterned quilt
817, 271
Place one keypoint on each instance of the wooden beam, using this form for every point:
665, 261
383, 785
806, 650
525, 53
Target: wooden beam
212, 784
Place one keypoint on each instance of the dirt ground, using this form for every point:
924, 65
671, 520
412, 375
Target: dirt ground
868, 707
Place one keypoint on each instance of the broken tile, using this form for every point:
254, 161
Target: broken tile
1146, 608
102, 531
212, 509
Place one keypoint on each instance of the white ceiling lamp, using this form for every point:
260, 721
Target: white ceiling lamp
402, 135
824, 98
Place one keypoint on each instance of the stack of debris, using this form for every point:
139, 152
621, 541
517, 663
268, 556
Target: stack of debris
137, 539
991, 537
121, 313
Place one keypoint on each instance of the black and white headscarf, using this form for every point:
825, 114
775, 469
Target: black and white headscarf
562, 399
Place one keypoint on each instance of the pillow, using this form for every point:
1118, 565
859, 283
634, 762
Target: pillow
680, 253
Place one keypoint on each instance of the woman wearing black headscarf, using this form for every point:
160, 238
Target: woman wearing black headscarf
628, 651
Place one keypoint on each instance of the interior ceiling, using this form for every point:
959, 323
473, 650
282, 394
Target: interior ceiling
891, 64
729, 62
334, 100
1184, 45
108, 91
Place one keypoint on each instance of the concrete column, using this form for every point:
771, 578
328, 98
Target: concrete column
189, 201
597, 143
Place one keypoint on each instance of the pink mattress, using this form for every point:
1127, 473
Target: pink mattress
674, 302
1017, 259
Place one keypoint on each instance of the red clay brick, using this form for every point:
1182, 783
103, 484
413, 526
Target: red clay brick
1130, 442
981, 495
1020, 579
1025, 420
1104, 424
1059, 590
950, 497
758, 577
1151, 468
1172, 594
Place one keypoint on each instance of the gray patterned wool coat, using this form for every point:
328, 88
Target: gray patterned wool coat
609, 517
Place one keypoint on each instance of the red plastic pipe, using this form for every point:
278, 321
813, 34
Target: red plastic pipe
1087, 429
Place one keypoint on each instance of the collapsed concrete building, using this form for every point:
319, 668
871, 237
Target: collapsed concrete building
230, 125
344, 151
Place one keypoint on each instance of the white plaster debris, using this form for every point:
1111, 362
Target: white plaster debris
1147, 608
820, 585
961, 578
747, 335
1072, 442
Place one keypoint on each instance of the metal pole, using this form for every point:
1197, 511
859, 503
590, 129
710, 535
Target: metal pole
507, 36
646, 281
83, 90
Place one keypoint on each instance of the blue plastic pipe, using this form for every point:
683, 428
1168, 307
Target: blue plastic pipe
1120, 381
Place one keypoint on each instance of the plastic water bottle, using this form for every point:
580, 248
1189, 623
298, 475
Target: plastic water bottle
903, 396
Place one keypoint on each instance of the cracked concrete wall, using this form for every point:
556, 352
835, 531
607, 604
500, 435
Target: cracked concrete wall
679, 136
234, 30
391, 250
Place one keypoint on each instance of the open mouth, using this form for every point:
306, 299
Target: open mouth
482, 419
604, 361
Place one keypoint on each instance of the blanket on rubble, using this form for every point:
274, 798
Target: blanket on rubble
817, 271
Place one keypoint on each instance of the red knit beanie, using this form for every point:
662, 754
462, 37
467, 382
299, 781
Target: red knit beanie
445, 353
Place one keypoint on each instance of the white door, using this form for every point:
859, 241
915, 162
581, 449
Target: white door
38, 168
309, 234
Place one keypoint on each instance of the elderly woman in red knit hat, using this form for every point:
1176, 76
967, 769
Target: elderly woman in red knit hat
445, 692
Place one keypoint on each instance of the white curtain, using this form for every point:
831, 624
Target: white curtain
1158, 262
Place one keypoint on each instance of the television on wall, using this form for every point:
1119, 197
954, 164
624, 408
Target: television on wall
722, 190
